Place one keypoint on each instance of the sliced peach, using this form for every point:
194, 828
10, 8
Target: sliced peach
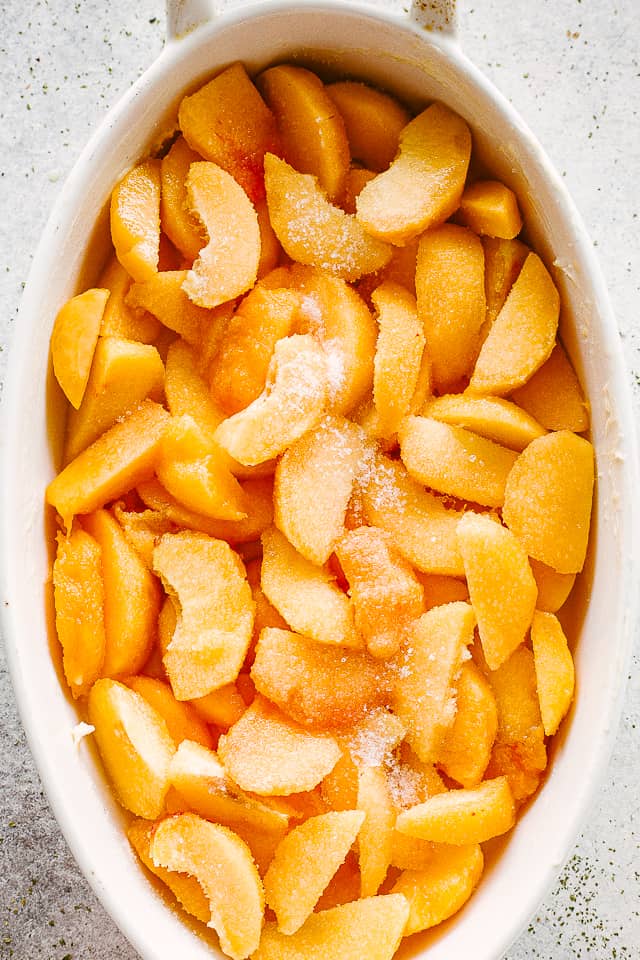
553, 395
553, 587
490, 208
228, 265
186, 389
371, 742
464, 816
270, 249
423, 185
162, 295
78, 592
344, 887
555, 674
134, 744
267, 753
182, 720
182, 228
373, 121
312, 133
208, 851
135, 220
375, 839
356, 179
143, 529
442, 888
466, 748
439, 589
503, 260
266, 613
222, 707
547, 501
119, 320
73, 341
315, 232
490, 417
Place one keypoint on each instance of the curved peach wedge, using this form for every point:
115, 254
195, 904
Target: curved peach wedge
491, 417
553, 394
182, 228
135, 220
162, 295
490, 208
442, 887
460, 817
466, 748
74, 339
373, 121
555, 674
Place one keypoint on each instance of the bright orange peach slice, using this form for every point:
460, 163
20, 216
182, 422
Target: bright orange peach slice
441, 888
182, 228
315, 232
503, 260
490, 417
555, 674
554, 396
440, 589
399, 350
490, 208
208, 851
74, 339
553, 587
356, 179
162, 295
464, 816
466, 748
228, 265
135, 220
373, 121
423, 185
118, 319
182, 720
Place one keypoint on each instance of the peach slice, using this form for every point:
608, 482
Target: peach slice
553, 395
324, 841
455, 461
491, 417
134, 744
313, 484
143, 529
372, 741
215, 612
305, 594
460, 817
439, 589
547, 499
427, 669
356, 179
501, 585
423, 185
135, 220
73, 341
118, 319
292, 403
116, 462
268, 754
266, 613
503, 260
522, 335
373, 121
123, 374
222, 707
162, 295
312, 230
553, 587
399, 350
466, 748
314, 684
182, 228
370, 928
78, 592
451, 300
490, 208
555, 674
312, 133
228, 264
208, 851
182, 720
441, 888
375, 839
186, 389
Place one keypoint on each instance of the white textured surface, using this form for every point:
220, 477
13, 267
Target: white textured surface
571, 68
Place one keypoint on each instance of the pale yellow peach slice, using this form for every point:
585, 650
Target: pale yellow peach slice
503, 260
455, 461
134, 744
292, 403
315, 232
553, 587
291, 889
399, 351
375, 839
547, 501
553, 395
466, 748
522, 335
182, 228
208, 851
135, 220
73, 341
183, 720
119, 320
490, 208
491, 417
555, 673
373, 740
267, 753
423, 185
373, 121
441, 888
460, 817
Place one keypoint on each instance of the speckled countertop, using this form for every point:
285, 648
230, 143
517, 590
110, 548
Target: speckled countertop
571, 68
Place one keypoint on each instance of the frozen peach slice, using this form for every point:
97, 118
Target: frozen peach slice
78, 593
427, 669
222, 707
490, 208
182, 720
441, 888
291, 889
182, 228
123, 374
373, 121
522, 335
292, 402
555, 674
135, 220
501, 585
439, 589
553, 587
344, 887
423, 185
356, 179
315, 232
490, 417
267, 753
455, 461
503, 260
553, 395
312, 132
227, 121
466, 748
399, 349
313, 483
385, 594
162, 295
214, 614
118, 319
423, 530
370, 928
228, 264
547, 501
316, 685
186, 389
185, 888
142, 529
375, 839
116, 462
305, 594
460, 817
74, 339
372, 741
266, 613
134, 744
451, 300
210, 852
